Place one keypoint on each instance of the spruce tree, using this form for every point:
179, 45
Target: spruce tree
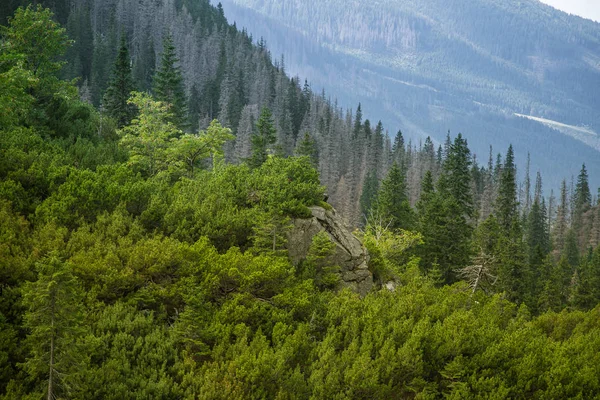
264, 139
446, 232
168, 84
144, 66
392, 202
368, 197
506, 204
308, 147
194, 107
455, 180
582, 200
357, 122
53, 320
562, 223
120, 88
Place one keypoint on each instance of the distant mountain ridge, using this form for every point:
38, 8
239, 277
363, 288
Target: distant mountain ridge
499, 71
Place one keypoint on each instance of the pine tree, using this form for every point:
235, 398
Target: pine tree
527, 187
308, 147
168, 84
554, 295
562, 223
538, 240
455, 180
194, 107
53, 318
368, 197
570, 250
514, 276
144, 66
446, 233
506, 204
582, 199
357, 122
586, 292
263, 140
120, 88
392, 200
398, 149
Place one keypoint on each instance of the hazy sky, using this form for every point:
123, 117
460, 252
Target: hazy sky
585, 8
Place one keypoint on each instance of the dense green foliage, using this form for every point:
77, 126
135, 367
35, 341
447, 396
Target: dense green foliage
138, 263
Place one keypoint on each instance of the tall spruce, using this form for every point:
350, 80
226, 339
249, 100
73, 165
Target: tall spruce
264, 139
120, 88
582, 200
368, 197
392, 200
307, 147
168, 84
455, 180
506, 204
53, 318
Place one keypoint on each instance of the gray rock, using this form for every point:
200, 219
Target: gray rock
350, 254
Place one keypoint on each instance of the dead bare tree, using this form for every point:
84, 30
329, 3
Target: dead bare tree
479, 274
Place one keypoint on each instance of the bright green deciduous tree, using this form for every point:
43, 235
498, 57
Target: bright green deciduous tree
149, 136
36, 39
190, 149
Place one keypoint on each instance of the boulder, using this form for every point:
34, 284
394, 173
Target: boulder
350, 254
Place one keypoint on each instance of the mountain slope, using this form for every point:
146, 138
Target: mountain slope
429, 66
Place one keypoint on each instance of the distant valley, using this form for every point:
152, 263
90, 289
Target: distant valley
498, 73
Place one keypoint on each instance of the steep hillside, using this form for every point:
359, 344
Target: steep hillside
429, 66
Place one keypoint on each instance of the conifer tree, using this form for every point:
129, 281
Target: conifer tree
392, 200
506, 204
538, 240
308, 147
398, 149
570, 250
144, 67
582, 199
562, 224
168, 84
357, 122
455, 180
427, 190
194, 107
264, 139
120, 88
446, 233
53, 318
368, 197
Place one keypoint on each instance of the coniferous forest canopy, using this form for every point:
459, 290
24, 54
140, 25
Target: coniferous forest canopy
154, 165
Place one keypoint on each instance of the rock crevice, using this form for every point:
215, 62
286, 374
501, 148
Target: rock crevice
349, 254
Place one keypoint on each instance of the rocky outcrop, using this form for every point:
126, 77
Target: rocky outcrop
350, 254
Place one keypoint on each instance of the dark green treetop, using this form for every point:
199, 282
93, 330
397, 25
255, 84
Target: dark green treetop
120, 88
168, 83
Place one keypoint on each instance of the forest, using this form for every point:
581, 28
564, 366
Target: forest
144, 220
